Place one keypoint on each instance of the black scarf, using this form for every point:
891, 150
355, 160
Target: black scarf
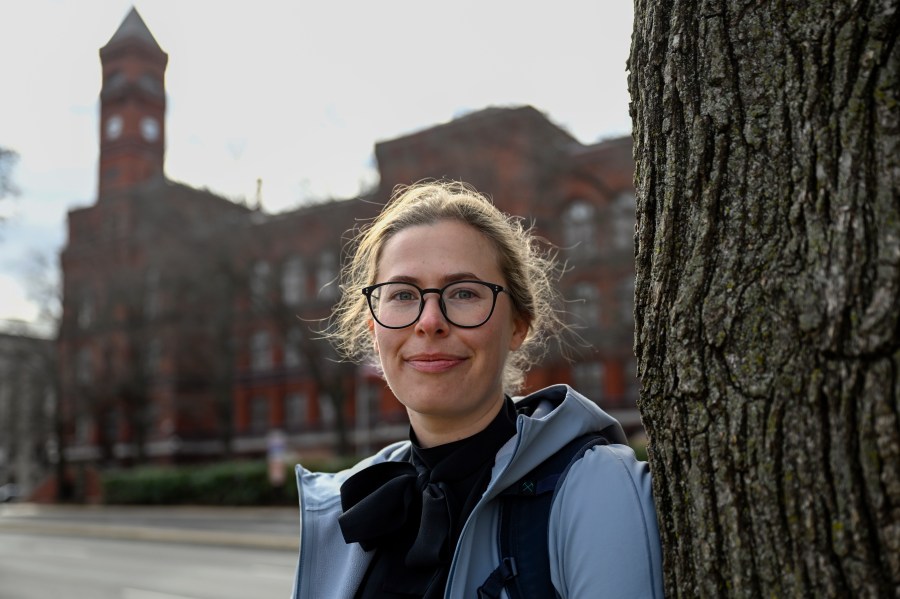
412, 512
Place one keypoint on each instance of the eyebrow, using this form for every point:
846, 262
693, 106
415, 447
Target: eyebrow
457, 276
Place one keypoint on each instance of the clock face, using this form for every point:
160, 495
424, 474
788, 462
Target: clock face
113, 127
149, 128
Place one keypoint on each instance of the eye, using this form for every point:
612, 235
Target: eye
401, 294
464, 293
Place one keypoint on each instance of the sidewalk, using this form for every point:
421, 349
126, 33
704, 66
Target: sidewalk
259, 527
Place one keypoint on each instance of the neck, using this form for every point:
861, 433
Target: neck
432, 431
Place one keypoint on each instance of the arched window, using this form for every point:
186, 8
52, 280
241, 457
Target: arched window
624, 218
293, 279
579, 222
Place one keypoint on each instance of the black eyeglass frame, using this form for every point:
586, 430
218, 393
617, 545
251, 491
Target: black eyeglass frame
497, 289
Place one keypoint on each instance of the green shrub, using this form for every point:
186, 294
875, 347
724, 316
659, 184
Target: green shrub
640, 449
227, 483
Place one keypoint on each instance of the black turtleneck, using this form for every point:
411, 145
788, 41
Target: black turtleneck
412, 513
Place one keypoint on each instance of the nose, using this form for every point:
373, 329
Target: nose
432, 321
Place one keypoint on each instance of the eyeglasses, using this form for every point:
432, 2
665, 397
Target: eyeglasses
466, 304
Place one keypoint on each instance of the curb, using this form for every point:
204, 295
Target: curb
163, 535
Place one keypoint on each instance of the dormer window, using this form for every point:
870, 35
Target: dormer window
150, 83
113, 82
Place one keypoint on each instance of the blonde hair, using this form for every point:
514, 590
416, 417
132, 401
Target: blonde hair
530, 270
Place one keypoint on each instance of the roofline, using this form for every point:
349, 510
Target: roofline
133, 28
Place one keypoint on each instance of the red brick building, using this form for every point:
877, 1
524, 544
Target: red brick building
188, 320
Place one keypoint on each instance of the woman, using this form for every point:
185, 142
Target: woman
454, 300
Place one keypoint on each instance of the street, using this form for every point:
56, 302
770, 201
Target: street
43, 566
103, 552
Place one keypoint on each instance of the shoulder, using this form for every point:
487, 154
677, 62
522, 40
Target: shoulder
609, 476
320, 489
603, 527
605, 464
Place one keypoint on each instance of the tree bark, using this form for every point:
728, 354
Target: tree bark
768, 292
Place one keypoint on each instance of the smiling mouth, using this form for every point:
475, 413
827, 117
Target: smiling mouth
435, 364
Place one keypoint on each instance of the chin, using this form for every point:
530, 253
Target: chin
441, 400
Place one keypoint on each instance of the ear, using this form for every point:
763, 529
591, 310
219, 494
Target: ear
371, 324
519, 333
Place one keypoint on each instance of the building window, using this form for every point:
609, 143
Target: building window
624, 218
259, 283
150, 416
626, 300
632, 382
260, 351
293, 279
84, 367
154, 357
259, 414
295, 406
326, 411
111, 425
585, 306
588, 378
83, 428
292, 348
151, 293
326, 275
85, 311
580, 228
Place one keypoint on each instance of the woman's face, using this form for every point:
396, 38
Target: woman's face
450, 379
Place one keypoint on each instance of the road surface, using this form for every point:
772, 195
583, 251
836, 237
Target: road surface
102, 552
45, 566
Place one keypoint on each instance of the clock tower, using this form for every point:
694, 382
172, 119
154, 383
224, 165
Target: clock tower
132, 107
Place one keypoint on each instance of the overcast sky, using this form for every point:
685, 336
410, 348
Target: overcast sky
295, 93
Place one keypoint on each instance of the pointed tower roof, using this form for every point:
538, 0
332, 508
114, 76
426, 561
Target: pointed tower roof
133, 28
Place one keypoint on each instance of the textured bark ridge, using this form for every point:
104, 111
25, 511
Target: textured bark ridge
768, 292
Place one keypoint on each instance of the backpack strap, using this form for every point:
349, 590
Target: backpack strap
524, 569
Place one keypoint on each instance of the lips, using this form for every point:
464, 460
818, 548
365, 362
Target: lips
434, 362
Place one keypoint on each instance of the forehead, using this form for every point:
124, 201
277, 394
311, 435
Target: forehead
438, 250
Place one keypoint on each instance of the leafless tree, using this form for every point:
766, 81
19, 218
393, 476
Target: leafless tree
8, 159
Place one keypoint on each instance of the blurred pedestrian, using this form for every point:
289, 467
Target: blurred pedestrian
453, 300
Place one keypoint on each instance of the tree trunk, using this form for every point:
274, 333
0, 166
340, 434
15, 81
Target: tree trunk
768, 292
